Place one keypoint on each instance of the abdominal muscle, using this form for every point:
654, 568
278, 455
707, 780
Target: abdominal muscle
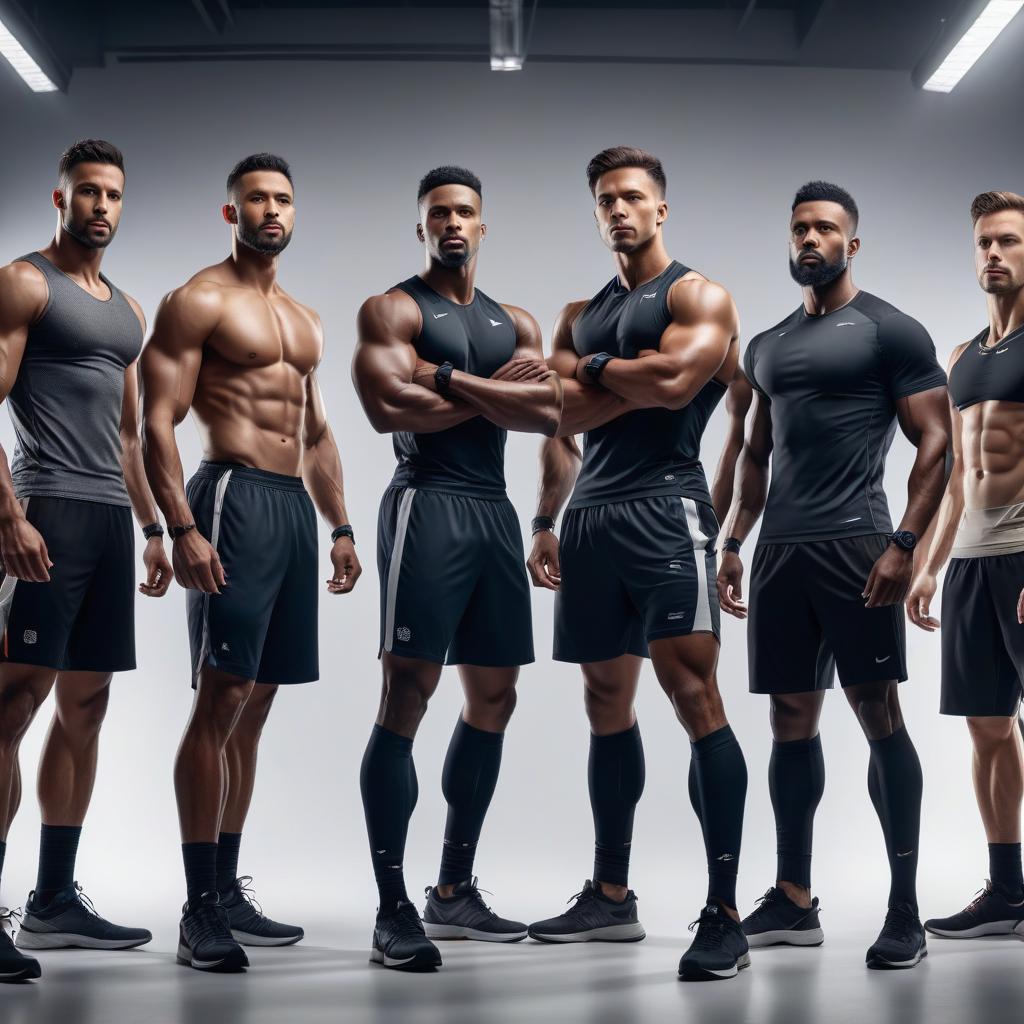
993, 454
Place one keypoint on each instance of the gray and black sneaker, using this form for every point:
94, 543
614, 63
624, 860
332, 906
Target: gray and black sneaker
719, 949
991, 912
249, 926
901, 942
592, 918
400, 943
14, 966
70, 921
464, 915
204, 937
777, 920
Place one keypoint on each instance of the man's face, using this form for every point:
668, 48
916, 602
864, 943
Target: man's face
450, 224
630, 208
262, 209
821, 243
90, 203
999, 251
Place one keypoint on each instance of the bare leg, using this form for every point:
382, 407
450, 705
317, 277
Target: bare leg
998, 776
241, 755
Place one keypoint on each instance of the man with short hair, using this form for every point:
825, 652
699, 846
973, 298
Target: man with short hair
241, 353
448, 371
980, 525
644, 364
69, 344
829, 572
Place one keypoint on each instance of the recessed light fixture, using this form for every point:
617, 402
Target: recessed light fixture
967, 50
18, 57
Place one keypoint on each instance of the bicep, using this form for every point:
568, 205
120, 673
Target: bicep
924, 413
22, 299
171, 359
529, 343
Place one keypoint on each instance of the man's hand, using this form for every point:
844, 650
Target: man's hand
1020, 608
158, 570
23, 551
545, 570
521, 370
730, 585
919, 602
346, 567
196, 564
890, 578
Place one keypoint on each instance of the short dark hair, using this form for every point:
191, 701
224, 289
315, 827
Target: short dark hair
625, 156
89, 151
825, 191
995, 202
448, 175
259, 162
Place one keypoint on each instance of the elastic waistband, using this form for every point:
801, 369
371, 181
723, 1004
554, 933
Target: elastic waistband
261, 477
990, 531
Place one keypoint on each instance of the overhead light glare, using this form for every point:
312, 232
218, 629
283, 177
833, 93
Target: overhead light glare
507, 35
995, 16
31, 73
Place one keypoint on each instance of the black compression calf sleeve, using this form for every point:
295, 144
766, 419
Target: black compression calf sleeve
721, 775
796, 781
387, 780
58, 848
616, 778
468, 779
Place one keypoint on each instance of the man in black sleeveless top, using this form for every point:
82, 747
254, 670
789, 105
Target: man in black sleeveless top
980, 525
448, 371
644, 364
829, 573
69, 341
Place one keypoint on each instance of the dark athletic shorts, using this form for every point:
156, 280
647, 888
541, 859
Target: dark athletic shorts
807, 618
982, 641
83, 620
632, 572
453, 586
263, 625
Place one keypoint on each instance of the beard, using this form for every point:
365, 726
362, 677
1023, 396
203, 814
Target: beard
816, 275
80, 233
999, 285
252, 239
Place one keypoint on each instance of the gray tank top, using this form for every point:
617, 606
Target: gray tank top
66, 401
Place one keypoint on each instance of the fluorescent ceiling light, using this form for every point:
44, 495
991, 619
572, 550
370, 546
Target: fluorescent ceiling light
29, 70
507, 35
996, 15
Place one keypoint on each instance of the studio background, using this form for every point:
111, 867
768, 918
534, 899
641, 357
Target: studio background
736, 143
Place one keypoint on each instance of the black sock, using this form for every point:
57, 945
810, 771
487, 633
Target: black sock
388, 783
721, 777
200, 868
1004, 868
895, 785
58, 847
796, 781
228, 844
616, 777
3, 851
468, 779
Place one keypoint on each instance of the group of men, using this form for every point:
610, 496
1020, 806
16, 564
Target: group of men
638, 369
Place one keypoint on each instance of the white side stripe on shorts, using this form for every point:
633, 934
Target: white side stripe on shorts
702, 610
218, 508
395, 566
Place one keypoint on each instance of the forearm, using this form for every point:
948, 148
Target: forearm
750, 502
937, 542
724, 484
531, 407
139, 493
322, 474
10, 507
559, 466
418, 410
163, 470
926, 484
654, 381
586, 408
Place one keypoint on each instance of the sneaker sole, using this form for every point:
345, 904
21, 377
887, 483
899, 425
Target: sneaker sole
787, 937
977, 932
417, 963
609, 933
69, 940
251, 939
879, 964
457, 931
26, 973
694, 972
233, 964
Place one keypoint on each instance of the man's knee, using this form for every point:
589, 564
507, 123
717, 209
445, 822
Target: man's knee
877, 708
220, 700
408, 686
81, 709
794, 716
18, 705
496, 706
258, 705
992, 731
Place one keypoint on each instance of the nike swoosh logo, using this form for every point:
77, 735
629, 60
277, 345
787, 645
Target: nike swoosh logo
496, 323
437, 316
846, 323
907, 854
878, 661
853, 520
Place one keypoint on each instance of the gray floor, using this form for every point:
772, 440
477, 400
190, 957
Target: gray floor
328, 979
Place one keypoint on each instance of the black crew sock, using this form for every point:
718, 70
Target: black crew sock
721, 777
895, 785
615, 773
200, 868
468, 779
3, 851
228, 845
1004, 868
58, 847
796, 782
387, 780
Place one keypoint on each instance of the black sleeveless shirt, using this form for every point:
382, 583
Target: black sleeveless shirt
478, 338
646, 452
986, 373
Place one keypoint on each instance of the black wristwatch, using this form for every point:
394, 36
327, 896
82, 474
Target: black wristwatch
595, 367
153, 530
343, 531
731, 544
443, 379
541, 523
174, 532
903, 539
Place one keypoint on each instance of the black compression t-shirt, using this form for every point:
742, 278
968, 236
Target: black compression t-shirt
833, 382
989, 373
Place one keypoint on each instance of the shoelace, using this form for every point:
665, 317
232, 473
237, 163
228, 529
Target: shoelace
8, 916
208, 924
899, 924
766, 902
710, 928
85, 901
407, 921
979, 898
246, 892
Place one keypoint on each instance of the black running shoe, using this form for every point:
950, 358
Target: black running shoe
719, 949
399, 941
901, 942
991, 912
464, 915
70, 921
14, 966
204, 937
777, 920
592, 918
248, 924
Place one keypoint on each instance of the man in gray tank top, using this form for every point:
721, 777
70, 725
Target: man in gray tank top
69, 341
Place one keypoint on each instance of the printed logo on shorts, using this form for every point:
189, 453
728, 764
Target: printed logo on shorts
225, 647
677, 615
403, 633
30, 636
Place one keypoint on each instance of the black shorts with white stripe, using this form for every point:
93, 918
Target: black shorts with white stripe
263, 624
632, 572
453, 586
